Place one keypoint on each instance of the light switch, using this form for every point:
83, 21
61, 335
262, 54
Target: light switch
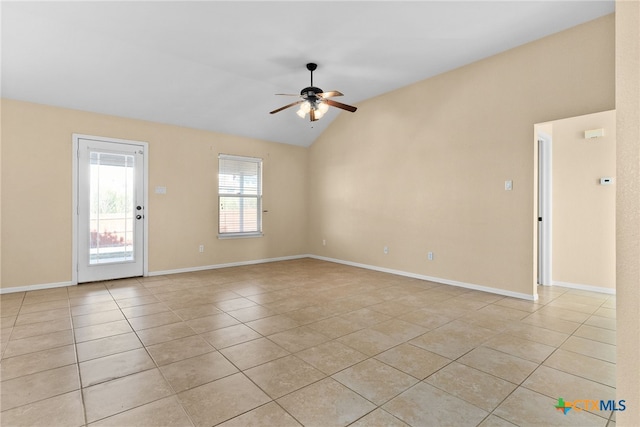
508, 185
161, 190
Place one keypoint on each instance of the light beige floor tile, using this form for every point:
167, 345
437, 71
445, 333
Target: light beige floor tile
43, 295
502, 365
583, 366
334, 327
31, 363
550, 322
365, 317
270, 414
392, 308
233, 395
331, 357
165, 412
251, 313
105, 346
399, 329
102, 330
527, 408
476, 387
116, 396
94, 308
375, 381
307, 315
253, 353
182, 348
164, 333
537, 334
234, 304
519, 304
97, 318
453, 339
231, 335
298, 339
413, 360
606, 336
571, 304
609, 313
600, 322
42, 316
284, 375
118, 365
494, 421
591, 348
144, 310
62, 410
38, 343
333, 404
519, 347
555, 384
273, 324
198, 370
44, 306
90, 298
428, 319
378, 418
563, 313
506, 313
212, 322
153, 320
137, 301
42, 328
425, 405
369, 342
42, 385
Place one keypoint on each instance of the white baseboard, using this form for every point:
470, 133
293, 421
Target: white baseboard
497, 291
35, 287
339, 261
582, 287
230, 264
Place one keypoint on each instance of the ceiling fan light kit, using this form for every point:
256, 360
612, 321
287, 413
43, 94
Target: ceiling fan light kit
314, 101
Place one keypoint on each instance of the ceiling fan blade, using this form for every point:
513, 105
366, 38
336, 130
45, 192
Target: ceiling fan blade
312, 115
288, 94
340, 105
287, 106
330, 94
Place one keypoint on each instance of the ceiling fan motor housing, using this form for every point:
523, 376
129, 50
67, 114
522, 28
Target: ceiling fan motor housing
310, 92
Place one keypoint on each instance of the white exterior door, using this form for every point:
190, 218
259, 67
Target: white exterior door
111, 209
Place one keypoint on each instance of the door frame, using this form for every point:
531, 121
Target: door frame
76, 137
544, 236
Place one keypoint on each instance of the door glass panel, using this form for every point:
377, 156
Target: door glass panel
112, 210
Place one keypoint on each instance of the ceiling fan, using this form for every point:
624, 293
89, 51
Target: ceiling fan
314, 101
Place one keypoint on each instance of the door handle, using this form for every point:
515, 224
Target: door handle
138, 208
138, 216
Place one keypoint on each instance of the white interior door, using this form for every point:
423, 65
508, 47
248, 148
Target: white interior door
544, 211
111, 209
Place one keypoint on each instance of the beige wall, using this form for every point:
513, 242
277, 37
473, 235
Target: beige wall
584, 212
628, 208
423, 168
37, 193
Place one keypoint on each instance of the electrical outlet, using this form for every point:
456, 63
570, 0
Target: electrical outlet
324, 242
201, 248
385, 249
430, 256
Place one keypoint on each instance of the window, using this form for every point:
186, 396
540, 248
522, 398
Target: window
239, 196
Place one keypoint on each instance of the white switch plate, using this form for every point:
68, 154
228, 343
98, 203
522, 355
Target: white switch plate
508, 185
161, 190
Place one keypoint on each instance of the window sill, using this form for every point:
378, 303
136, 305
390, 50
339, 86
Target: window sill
227, 236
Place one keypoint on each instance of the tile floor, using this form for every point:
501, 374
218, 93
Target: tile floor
302, 342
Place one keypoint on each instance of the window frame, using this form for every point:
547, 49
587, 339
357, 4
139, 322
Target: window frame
258, 197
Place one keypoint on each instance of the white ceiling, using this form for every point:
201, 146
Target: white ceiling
216, 65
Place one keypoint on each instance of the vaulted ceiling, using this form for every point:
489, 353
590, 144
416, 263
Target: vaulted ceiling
216, 65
